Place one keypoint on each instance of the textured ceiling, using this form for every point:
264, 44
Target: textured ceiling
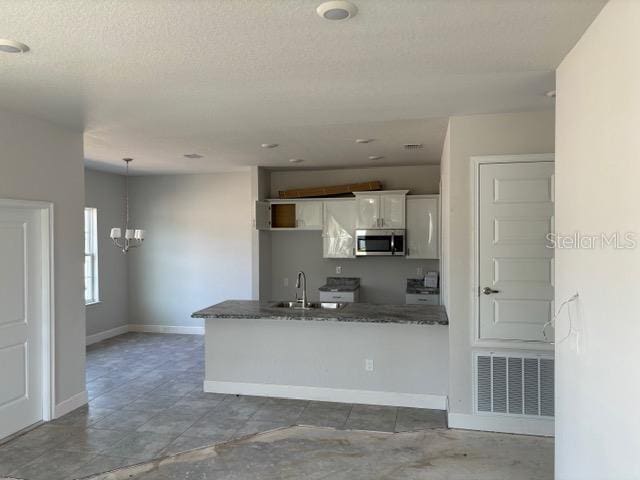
155, 79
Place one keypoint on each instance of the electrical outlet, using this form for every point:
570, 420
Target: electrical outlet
368, 364
338, 269
419, 271
285, 282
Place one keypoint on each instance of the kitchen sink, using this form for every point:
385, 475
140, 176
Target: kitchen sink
311, 305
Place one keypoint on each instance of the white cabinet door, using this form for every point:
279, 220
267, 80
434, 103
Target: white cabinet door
368, 211
392, 211
309, 215
338, 231
422, 227
263, 216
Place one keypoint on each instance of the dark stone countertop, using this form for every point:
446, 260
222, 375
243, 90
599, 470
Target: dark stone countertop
341, 284
353, 312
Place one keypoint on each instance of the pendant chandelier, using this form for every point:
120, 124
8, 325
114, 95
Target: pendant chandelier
132, 237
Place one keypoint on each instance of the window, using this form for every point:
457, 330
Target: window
91, 256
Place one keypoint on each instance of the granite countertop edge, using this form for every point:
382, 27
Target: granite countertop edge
354, 313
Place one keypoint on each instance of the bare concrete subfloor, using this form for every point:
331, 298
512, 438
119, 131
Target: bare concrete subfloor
315, 453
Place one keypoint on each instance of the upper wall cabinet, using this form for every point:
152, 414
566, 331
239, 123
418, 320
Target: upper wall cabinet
384, 209
288, 215
339, 226
423, 222
309, 215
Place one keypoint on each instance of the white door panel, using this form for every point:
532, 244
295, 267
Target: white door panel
20, 320
515, 266
309, 215
393, 211
368, 211
422, 228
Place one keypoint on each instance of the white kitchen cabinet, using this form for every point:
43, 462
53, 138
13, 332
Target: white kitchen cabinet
309, 215
385, 209
340, 297
339, 228
423, 232
289, 215
393, 211
422, 299
263, 216
368, 206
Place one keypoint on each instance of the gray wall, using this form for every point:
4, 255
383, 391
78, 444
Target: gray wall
104, 191
597, 170
517, 133
40, 161
407, 358
383, 280
198, 246
420, 179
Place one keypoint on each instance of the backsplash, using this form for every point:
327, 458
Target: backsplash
383, 280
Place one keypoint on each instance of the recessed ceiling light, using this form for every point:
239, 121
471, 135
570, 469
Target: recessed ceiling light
551, 94
269, 145
337, 10
11, 46
364, 140
375, 157
192, 155
296, 160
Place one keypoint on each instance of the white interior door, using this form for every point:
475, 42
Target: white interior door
21, 348
516, 209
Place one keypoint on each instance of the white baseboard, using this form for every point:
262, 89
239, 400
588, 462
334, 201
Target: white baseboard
114, 332
368, 397
70, 404
505, 424
166, 329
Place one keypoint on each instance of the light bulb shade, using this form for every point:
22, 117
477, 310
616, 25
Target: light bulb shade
128, 234
138, 234
116, 233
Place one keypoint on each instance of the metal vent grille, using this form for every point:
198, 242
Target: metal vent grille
514, 384
413, 146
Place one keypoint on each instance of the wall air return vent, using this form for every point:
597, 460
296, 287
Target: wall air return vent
514, 384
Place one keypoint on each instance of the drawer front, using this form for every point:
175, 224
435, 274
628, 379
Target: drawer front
422, 299
348, 297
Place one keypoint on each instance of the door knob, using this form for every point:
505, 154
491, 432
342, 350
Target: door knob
489, 291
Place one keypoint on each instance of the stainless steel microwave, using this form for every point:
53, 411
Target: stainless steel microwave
380, 242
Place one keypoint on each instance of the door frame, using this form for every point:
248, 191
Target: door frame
476, 162
45, 210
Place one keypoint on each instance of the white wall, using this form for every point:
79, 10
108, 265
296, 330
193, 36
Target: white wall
517, 133
597, 172
40, 161
198, 247
104, 191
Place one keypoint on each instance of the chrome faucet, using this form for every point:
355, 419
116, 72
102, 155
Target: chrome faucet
302, 283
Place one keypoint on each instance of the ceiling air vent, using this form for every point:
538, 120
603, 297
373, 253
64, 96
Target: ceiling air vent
192, 155
413, 146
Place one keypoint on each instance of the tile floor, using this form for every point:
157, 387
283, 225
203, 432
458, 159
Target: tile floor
146, 400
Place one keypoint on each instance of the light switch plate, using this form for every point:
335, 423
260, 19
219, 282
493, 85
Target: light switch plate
339, 269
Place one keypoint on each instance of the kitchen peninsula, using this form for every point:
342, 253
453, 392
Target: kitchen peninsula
357, 353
